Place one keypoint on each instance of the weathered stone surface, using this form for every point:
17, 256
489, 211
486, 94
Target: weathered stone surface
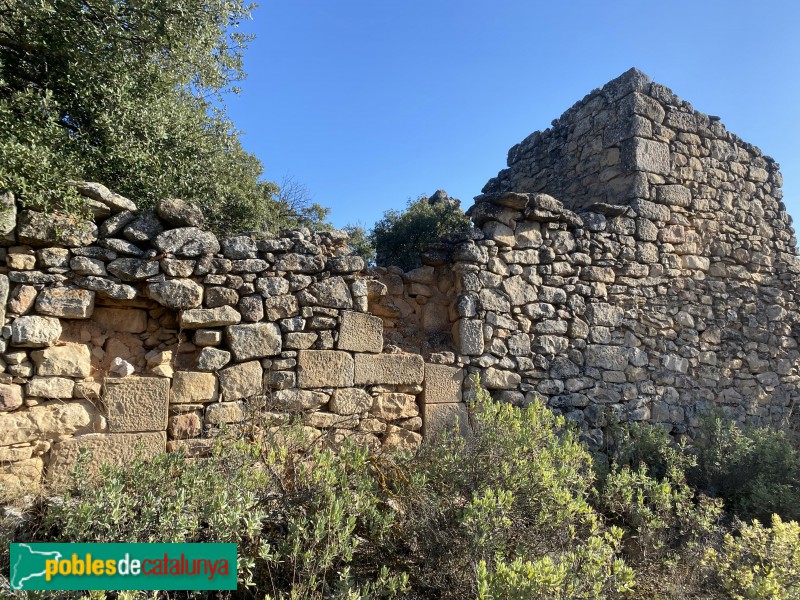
394, 406
4, 287
294, 399
10, 397
350, 401
117, 291
54, 229
281, 307
8, 219
192, 387
497, 379
446, 418
468, 337
397, 369
345, 264
398, 439
180, 213
241, 381
213, 359
65, 302
143, 228
332, 293
48, 421
188, 242
127, 320
360, 332
114, 450
240, 247
613, 358
225, 412
324, 368
133, 269
185, 426
209, 317
177, 294
34, 331
101, 193
221, 296
115, 224
72, 360
23, 476
442, 384
300, 263
50, 387
253, 340
638, 154
136, 403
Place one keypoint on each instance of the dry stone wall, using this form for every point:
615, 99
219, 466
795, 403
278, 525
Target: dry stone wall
634, 262
139, 331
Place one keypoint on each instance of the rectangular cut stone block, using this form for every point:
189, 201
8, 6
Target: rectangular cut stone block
136, 403
324, 368
442, 384
241, 381
360, 332
468, 336
253, 340
105, 449
191, 387
198, 318
438, 419
639, 154
391, 369
69, 303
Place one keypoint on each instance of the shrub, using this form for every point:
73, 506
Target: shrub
759, 563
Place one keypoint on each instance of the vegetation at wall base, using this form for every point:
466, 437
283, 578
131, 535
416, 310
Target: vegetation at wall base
514, 511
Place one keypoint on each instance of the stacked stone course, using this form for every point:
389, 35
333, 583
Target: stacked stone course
634, 262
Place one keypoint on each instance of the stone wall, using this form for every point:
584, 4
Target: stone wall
140, 331
633, 263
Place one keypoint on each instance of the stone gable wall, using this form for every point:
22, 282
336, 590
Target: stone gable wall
634, 262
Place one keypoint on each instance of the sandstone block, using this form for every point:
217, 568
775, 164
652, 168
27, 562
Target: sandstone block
48, 421
209, 317
72, 360
10, 396
360, 332
68, 303
398, 439
394, 406
468, 337
225, 412
192, 387
136, 403
442, 384
638, 154
498, 379
326, 420
185, 426
253, 340
114, 450
50, 387
324, 368
21, 476
391, 369
241, 381
294, 399
350, 401
34, 331
439, 419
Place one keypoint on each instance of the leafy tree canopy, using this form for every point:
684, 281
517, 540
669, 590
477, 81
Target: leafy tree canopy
400, 237
129, 93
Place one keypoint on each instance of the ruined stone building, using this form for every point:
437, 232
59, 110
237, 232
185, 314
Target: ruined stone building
634, 262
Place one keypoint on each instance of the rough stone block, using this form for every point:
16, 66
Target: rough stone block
612, 358
192, 387
398, 439
72, 360
254, 340
68, 303
394, 406
639, 154
350, 401
209, 317
241, 381
324, 368
674, 195
33, 331
442, 384
225, 412
136, 403
23, 475
115, 450
47, 421
50, 387
390, 369
360, 332
441, 418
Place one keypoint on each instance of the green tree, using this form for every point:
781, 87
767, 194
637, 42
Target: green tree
128, 93
400, 237
361, 242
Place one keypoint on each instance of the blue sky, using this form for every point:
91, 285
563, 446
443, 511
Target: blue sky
370, 103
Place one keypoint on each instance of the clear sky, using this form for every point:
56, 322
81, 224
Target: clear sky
371, 102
